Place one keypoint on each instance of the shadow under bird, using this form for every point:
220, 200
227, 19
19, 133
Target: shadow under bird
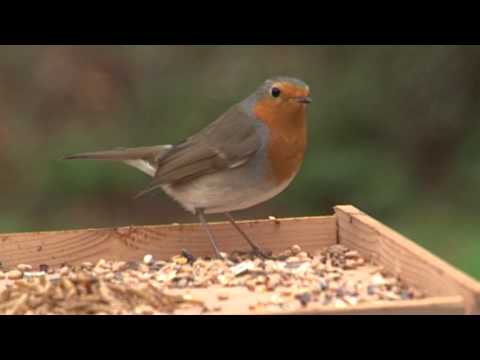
247, 156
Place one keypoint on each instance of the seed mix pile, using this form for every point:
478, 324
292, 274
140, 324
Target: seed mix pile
337, 277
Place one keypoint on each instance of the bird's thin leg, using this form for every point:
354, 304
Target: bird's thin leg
201, 217
254, 247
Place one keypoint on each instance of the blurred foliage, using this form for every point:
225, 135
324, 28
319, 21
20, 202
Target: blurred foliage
393, 131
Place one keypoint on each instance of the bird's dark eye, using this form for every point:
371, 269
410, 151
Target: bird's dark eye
276, 92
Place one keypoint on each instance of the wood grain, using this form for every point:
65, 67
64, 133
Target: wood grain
240, 300
453, 305
164, 241
405, 259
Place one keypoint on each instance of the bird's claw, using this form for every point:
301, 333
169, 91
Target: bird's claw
262, 254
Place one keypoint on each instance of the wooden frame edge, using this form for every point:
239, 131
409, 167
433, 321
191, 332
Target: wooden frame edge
452, 305
162, 241
455, 282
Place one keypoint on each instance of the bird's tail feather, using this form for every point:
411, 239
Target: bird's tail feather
145, 159
122, 154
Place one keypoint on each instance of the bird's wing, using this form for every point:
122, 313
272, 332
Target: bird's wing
229, 142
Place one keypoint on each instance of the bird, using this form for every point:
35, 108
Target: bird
245, 157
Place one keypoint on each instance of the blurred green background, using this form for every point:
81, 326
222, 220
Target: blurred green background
394, 131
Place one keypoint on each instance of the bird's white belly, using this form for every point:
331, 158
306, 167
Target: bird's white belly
216, 195
235, 189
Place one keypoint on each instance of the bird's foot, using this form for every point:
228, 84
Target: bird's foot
251, 254
266, 255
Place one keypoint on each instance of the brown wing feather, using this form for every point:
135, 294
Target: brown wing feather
228, 142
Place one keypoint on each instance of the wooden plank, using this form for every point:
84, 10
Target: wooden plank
240, 299
164, 241
453, 305
404, 258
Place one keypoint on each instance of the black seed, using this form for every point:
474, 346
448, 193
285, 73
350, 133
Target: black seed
304, 298
191, 259
43, 267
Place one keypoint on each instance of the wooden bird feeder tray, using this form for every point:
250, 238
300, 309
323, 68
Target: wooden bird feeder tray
448, 290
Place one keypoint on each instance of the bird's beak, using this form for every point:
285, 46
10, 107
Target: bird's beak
304, 99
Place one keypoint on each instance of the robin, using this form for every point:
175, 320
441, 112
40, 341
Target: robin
247, 156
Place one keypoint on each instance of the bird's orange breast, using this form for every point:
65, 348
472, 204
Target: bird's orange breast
287, 137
